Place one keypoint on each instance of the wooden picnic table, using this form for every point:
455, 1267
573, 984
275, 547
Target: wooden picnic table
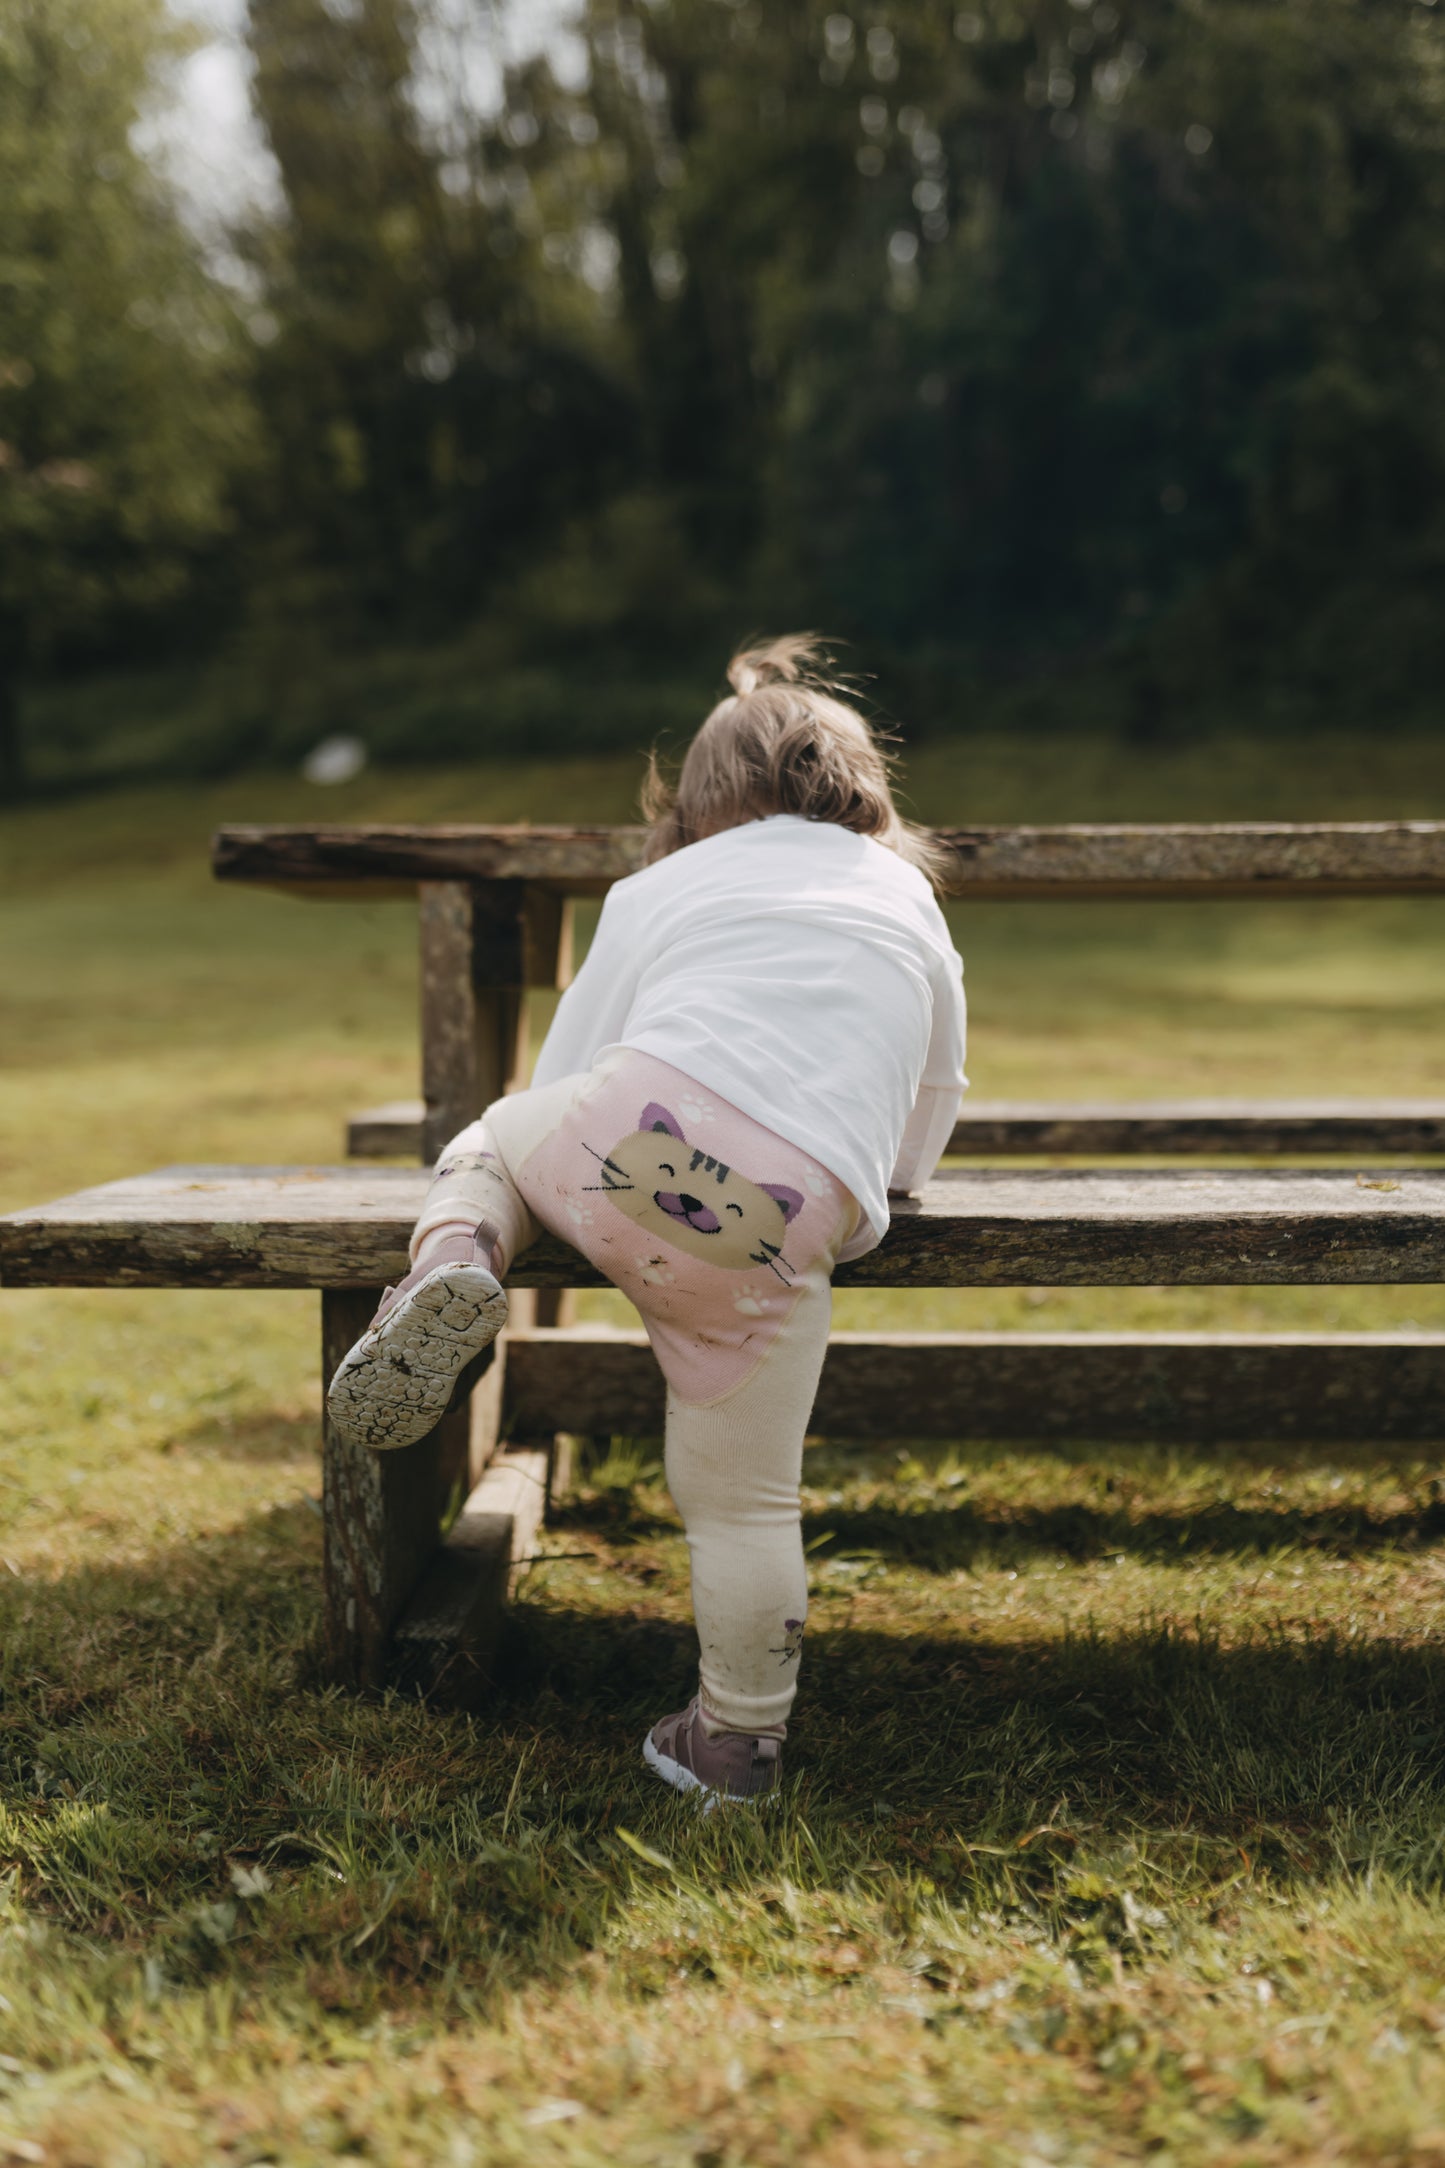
494, 910
1076, 862
404, 1603
494, 913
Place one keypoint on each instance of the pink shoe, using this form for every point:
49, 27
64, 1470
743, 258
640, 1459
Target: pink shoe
733, 1765
409, 1365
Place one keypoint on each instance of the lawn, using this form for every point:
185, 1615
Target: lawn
1113, 1829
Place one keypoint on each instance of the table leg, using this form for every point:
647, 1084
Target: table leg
384, 1513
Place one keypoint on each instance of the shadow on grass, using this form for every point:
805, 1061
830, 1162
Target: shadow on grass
161, 1721
945, 1539
1306, 1756
938, 1539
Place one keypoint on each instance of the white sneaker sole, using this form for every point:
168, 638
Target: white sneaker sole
675, 1773
683, 1779
397, 1382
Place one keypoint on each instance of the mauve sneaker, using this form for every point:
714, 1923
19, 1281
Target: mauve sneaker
404, 1372
735, 1765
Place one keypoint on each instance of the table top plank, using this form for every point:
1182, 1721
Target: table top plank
1078, 861
347, 1227
1266, 1128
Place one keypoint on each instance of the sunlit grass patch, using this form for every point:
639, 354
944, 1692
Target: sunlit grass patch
1112, 1829
1093, 1837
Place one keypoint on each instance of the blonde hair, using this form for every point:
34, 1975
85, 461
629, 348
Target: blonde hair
785, 742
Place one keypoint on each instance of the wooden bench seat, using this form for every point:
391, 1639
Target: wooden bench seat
1188, 1388
415, 1590
347, 1227
493, 910
1160, 1129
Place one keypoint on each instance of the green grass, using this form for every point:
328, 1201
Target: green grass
1114, 1822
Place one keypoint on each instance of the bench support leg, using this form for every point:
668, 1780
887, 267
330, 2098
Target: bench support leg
384, 1513
446, 1638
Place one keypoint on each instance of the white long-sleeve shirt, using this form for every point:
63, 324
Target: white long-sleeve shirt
805, 974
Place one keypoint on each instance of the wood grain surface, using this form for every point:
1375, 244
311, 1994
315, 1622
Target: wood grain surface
1079, 861
473, 1012
446, 1639
347, 1227
1197, 1388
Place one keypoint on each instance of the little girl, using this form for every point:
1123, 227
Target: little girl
766, 1037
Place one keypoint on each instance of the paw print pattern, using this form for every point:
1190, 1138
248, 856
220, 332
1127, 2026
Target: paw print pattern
818, 1183
750, 1303
694, 1111
581, 1215
658, 1273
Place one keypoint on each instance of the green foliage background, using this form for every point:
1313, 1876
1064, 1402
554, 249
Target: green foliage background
1071, 361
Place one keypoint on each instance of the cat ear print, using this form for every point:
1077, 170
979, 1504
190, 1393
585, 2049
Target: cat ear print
656, 1117
791, 1200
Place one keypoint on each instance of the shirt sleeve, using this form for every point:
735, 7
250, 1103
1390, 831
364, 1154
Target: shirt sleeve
593, 1012
935, 1110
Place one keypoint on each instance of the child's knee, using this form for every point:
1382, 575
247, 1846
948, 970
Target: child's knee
713, 1487
472, 1186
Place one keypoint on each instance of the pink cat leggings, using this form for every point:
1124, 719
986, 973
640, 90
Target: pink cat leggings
725, 1238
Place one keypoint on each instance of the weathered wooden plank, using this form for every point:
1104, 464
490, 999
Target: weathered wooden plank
446, 1640
220, 1227
1187, 1387
1178, 1227
383, 1513
376, 858
1212, 1128
971, 1227
473, 1009
390, 1131
488, 1396
1162, 1128
1078, 861
1205, 861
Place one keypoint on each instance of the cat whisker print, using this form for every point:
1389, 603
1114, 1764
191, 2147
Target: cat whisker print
654, 1176
610, 1169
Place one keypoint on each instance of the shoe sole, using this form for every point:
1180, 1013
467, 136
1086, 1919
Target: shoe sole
397, 1383
683, 1779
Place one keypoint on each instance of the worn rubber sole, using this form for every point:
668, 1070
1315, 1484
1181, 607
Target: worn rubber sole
683, 1779
675, 1773
397, 1383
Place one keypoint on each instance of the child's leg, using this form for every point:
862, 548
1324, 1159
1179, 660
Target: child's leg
724, 1236
733, 1467
474, 1189
472, 1194
432, 1330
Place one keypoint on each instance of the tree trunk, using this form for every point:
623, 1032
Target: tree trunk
12, 759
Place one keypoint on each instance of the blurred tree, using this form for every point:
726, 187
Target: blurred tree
123, 412
1094, 346
434, 410
1001, 332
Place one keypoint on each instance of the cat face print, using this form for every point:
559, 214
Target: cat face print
695, 1202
